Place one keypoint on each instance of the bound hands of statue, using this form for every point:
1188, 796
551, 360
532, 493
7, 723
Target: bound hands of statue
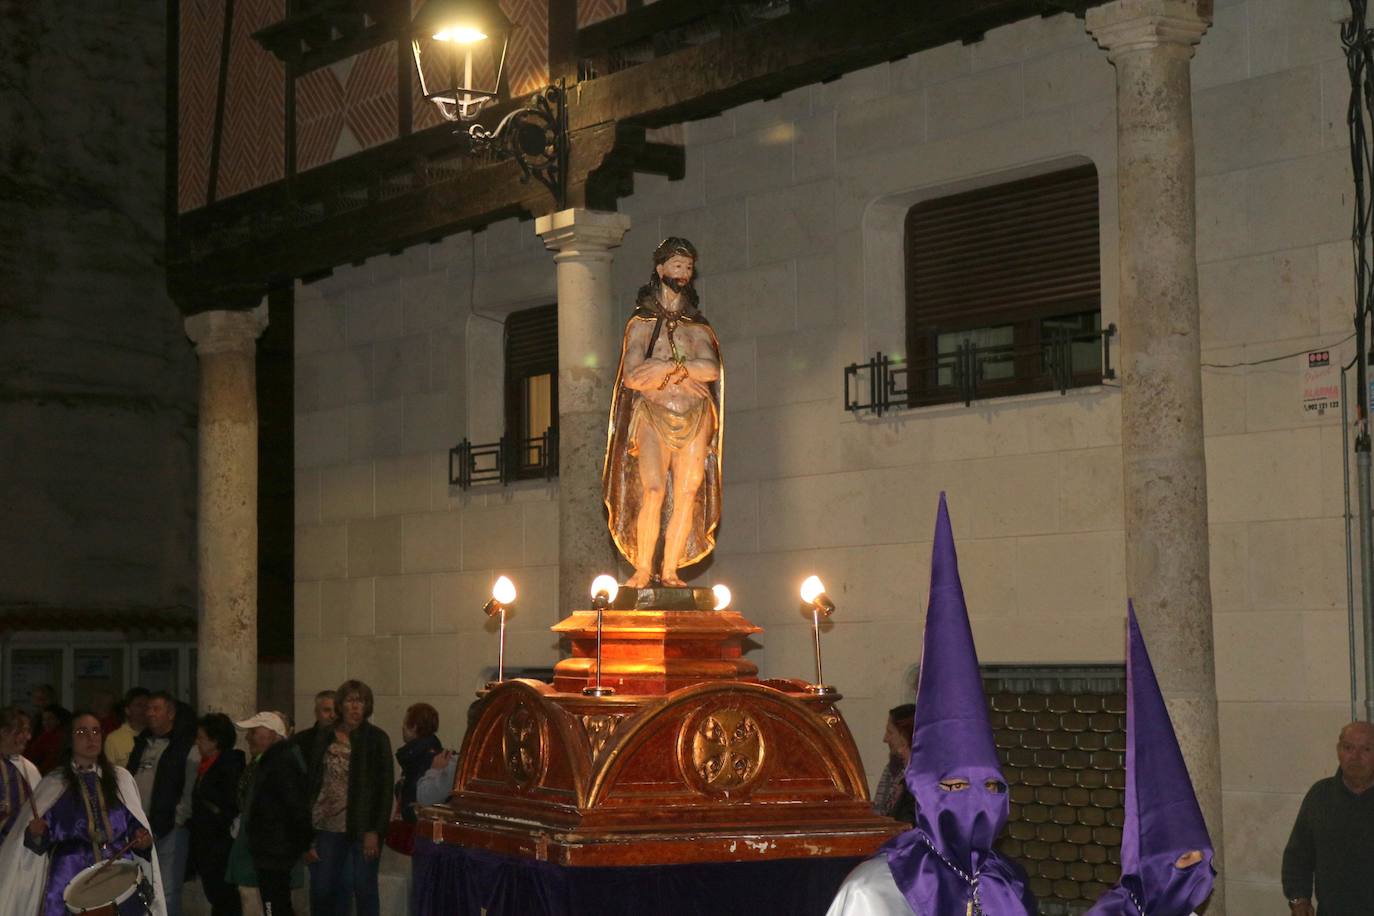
652, 373
143, 839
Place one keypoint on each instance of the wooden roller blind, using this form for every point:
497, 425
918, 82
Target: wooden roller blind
1021, 250
532, 342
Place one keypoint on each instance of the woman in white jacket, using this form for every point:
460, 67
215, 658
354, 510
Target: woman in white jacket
88, 810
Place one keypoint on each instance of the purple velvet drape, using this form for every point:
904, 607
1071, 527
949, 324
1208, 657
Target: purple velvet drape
452, 881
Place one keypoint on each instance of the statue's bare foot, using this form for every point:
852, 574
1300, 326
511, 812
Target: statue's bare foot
640, 579
671, 580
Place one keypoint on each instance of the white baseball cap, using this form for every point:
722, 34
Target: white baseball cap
272, 720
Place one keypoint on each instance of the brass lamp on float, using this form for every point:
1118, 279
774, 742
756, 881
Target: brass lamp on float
604, 590
818, 604
502, 597
457, 28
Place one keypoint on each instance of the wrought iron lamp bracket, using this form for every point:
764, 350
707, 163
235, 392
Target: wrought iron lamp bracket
536, 137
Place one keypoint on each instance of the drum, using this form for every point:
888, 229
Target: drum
118, 890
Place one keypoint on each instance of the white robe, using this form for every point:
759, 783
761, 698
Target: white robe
870, 890
23, 875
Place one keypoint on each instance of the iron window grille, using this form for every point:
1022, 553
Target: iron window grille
883, 384
504, 461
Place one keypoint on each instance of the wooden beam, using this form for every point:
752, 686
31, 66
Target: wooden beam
607, 117
202, 279
771, 58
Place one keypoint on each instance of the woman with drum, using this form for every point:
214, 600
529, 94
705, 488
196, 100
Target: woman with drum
57, 857
17, 775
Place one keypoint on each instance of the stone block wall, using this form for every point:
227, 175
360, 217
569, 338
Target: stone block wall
97, 379
796, 205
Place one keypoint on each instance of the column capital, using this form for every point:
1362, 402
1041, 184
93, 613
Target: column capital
225, 331
582, 230
1137, 25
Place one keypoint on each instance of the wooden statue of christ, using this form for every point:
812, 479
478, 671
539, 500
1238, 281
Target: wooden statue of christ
662, 471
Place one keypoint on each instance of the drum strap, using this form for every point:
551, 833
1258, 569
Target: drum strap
101, 833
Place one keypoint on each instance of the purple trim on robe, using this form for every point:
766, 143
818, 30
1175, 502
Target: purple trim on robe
14, 801
68, 841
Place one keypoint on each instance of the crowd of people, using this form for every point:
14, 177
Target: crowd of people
151, 783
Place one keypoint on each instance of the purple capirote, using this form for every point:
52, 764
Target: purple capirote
946, 865
1163, 819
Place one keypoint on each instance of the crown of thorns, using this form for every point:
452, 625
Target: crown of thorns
674, 245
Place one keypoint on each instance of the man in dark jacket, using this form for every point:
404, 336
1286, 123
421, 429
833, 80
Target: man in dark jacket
277, 810
162, 755
1332, 842
325, 717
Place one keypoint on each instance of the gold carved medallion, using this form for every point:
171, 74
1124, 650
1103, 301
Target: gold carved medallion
523, 745
726, 751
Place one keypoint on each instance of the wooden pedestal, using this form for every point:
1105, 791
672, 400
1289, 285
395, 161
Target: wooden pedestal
700, 763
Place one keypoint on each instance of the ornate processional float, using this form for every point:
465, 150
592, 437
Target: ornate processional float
657, 742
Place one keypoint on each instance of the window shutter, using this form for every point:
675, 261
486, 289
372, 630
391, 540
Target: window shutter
532, 342
1022, 250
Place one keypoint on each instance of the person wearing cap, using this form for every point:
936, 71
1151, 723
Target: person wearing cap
663, 453
945, 865
274, 832
1332, 842
1166, 853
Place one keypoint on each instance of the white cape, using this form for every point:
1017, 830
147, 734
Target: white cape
23, 874
870, 890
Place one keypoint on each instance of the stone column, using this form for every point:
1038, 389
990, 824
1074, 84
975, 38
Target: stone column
227, 509
1151, 43
588, 353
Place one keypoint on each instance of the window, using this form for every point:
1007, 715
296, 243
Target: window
1004, 289
529, 447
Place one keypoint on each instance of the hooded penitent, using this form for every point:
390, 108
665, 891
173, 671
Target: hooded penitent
946, 866
1163, 819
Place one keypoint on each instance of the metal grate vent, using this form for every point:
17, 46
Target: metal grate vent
1061, 736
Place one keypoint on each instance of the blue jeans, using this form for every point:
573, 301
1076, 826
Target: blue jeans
342, 873
172, 850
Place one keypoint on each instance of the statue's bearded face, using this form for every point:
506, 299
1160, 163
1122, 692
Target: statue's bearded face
676, 272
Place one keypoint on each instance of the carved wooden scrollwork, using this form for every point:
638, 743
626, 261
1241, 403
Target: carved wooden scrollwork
523, 745
599, 728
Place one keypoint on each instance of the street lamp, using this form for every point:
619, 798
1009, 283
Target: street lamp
454, 31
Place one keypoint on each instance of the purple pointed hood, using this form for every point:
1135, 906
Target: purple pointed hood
954, 774
1163, 819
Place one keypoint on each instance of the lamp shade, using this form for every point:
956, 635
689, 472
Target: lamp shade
460, 54
455, 20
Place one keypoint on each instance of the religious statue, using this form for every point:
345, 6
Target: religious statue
663, 455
